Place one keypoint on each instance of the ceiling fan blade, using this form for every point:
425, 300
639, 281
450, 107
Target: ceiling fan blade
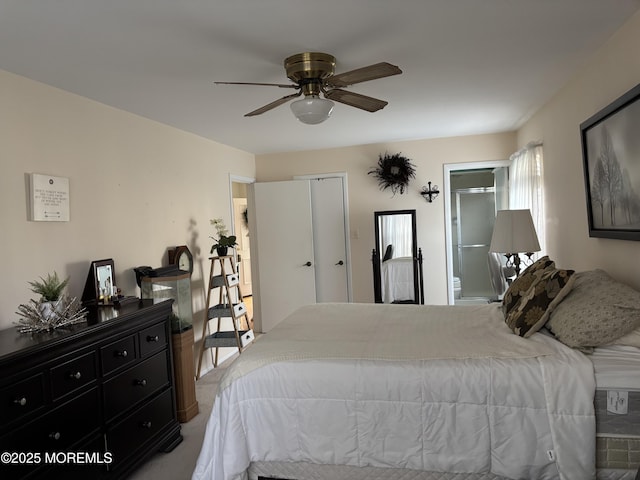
364, 74
273, 105
357, 100
281, 85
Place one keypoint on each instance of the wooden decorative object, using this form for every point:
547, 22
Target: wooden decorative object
187, 405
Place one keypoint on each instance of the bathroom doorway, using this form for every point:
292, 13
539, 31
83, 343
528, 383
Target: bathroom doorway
473, 193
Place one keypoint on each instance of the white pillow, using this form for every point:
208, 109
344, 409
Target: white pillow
598, 311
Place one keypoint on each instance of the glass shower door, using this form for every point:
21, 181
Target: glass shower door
475, 218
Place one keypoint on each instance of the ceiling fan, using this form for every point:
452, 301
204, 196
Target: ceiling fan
313, 74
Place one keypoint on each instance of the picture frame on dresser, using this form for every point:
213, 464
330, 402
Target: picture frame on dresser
611, 162
100, 287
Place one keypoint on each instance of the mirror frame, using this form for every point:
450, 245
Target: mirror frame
377, 256
91, 294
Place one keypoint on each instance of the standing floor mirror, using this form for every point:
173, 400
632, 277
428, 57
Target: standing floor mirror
397, 261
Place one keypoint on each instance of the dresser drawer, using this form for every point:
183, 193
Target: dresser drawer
21, 398
54, 432
59, 428
73, 374
153, 339
133, 385
95, 468
140, 427
118, 354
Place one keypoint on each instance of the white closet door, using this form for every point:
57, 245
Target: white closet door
328, 217
284, 249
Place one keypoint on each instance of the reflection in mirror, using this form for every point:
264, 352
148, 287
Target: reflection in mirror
397, 263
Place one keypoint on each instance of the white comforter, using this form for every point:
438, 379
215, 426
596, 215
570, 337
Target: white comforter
432, 388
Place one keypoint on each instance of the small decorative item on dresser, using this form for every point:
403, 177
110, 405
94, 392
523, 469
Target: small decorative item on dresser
52, 310
100, 287
181, 256
50, 289
224, 241
394, 172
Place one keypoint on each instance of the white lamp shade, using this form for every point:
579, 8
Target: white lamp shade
514, 232
312, 109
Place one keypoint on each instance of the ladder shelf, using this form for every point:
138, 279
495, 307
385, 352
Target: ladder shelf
230, 304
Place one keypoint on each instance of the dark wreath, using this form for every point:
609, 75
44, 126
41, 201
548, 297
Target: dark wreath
394, 172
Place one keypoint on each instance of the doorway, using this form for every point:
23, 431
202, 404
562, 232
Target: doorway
240, 228
473, 193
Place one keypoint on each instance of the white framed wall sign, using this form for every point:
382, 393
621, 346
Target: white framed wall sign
49, 198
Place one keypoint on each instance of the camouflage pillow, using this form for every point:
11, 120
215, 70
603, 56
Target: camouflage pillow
536, 304
524, 281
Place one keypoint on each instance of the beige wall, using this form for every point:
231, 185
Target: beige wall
365, 197
137, 187
610, 73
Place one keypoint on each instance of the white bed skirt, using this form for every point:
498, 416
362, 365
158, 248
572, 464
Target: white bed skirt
310, 471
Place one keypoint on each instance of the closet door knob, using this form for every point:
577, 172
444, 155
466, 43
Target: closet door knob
340, 263
308, 264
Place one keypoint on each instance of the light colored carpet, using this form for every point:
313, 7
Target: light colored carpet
179, 464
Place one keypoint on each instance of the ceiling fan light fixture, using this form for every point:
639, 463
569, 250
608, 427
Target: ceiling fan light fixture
312, 109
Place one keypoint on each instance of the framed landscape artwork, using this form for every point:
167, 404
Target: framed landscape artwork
611, 155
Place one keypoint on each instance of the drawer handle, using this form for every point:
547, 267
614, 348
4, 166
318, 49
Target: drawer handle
141, 383
55, 435
153, 338
20, 401
75, 376
122, 353
146, 424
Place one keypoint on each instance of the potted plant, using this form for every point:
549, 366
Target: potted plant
224, 241
50, 291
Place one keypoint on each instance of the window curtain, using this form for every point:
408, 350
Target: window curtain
525, 186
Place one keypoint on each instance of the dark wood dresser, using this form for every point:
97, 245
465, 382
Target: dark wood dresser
91, 401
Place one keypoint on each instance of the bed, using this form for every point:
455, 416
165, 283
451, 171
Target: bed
415, 392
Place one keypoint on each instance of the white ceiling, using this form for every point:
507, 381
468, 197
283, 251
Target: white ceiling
470, 66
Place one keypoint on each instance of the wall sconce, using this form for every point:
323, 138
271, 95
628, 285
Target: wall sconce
430, 193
